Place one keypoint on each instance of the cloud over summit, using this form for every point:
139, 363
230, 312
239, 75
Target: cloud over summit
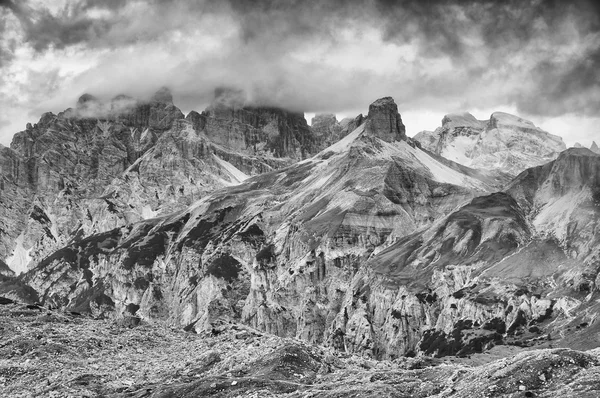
539, 57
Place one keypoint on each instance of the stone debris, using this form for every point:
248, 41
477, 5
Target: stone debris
44, 354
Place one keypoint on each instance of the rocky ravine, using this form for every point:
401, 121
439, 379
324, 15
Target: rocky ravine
504, 142
102, 165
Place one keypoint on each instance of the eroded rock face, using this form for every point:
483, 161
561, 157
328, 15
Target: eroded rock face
504, 142
372, 246
505, 269
61, 166
384, 121
257, 131
280, 252
102, 165
364, 278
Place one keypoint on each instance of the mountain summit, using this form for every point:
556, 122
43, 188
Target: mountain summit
504, 142
384, 121
372, 245
103, 164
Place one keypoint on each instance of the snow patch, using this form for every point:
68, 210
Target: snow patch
20, 258
443, 173
459, 148
233, 171
345, 143
148, 213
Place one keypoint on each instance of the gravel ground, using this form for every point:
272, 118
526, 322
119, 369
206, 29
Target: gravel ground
51, 354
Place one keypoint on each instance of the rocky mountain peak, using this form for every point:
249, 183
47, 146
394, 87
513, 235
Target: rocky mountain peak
575, 153
384, 121
323, 124
498, 119
505, 142
163, 95
594, 147
464, 119
367, 248
46, 119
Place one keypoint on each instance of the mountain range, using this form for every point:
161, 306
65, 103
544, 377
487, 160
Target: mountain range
504, 142
349, 235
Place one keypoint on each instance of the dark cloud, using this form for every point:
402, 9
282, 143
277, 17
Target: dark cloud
71, 25
571, 85
6, 48
498, 50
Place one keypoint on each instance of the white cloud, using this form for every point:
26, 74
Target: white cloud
314, 58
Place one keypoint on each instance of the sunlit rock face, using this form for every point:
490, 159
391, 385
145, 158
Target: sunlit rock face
508, 268
384, 121
504, 142
101, 165
282, 252
254, 130
374, 245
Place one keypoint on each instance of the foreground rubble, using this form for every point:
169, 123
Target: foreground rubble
46, 353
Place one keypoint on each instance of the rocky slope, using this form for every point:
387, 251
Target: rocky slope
504, 142
372, 246
46, 353
231, 123
103, 165
509, 268
279, 252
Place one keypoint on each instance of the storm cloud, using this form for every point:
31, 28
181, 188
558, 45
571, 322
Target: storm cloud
541, 58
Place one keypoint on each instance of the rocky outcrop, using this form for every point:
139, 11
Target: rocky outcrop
257, 131
326, 129
377, 276
505, 142
234, 360
384, 121
372, 246
101, 165
594, 148
509, 268
279, 252
428, 139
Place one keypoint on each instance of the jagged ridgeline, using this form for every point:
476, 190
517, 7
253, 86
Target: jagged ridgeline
348, 234
106, 164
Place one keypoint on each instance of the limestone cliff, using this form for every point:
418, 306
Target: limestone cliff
373, 246
104, 164
280, 252
258, 131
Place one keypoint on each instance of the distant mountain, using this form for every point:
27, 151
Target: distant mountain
504, 142
507, 268
328, 130
104, 164
280, 251
373, 245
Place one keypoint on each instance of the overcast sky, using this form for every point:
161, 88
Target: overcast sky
537, 59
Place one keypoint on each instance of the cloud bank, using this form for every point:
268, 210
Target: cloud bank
541, 58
